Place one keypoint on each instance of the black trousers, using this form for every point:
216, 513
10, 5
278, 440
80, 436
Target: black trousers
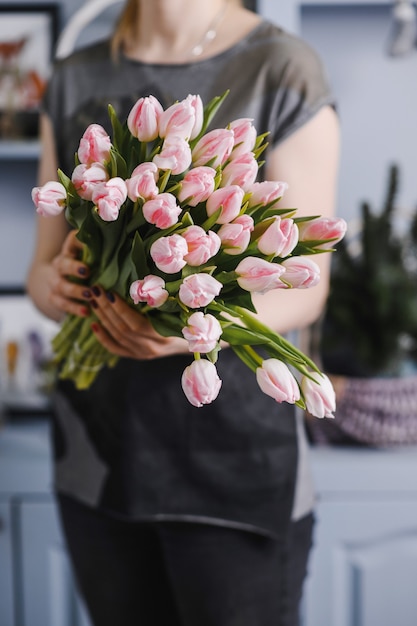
183, 574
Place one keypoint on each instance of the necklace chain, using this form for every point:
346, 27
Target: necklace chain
211, 32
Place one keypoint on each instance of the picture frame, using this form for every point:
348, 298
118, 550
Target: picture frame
28, 34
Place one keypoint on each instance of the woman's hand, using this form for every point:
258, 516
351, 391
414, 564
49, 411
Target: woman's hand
65, 294
126, 332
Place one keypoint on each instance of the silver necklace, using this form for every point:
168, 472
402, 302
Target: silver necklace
211, 32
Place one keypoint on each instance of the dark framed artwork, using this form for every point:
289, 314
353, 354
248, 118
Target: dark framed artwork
27, 37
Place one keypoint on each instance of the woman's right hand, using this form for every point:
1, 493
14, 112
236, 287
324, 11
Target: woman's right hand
65, 294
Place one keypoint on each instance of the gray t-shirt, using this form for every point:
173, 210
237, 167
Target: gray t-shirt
132, 444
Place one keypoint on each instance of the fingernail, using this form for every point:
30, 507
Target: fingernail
96, 290
94, 304
85, 312
94, 327
82, 271
110, 297
86, 293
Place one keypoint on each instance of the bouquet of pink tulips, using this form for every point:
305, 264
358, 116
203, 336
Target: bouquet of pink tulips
173, 221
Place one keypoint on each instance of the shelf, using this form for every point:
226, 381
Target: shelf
19, 150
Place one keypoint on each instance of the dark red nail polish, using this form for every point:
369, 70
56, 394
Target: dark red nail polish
110, 297
86, 293
94, 327
82, 271
94, 304
85, 312
96, 290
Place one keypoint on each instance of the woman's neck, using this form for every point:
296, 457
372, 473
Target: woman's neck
177, 31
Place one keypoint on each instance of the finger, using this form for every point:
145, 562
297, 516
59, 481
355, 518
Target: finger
109, 342
68, 266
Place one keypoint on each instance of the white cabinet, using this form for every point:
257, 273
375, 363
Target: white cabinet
363, 569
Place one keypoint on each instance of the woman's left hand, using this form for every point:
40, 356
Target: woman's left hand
126, 332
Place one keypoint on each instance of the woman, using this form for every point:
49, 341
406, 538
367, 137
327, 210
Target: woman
175, 515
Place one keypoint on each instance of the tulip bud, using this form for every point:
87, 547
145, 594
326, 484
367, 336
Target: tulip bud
300, 272
168, 253
214, 147
198, 290
319, 395
109, 197
229, 199
259, 276
175, 155
201, 245
333, 228
202, 332
265, 192
244, 134
94, 145
150, 289
275, 380
241, 171
86, 177
162, 211
49, 199
142, 183
280, 238
197, 185
178, 120
235, 237
200, 382
143, 118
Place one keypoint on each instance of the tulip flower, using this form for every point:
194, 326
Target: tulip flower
94, 145
280, 238
265, 192
241, 171
198, 290
214, 148
182, 119
175, 155
150, 289
319, 395
200, 382
202, 332
168, 253
197, 104
142, 183
50, 199
333, 228
229, 199
144, 117
235, 237
275, 380
259, 276
86, 177
300, 272
197, 185
108, 197
163, 211
244, 136
201, 245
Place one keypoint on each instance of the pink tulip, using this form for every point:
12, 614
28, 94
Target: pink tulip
142, 183
163, 211
86, 177
275, 380
229, 199
201, 245
109, 197
198, 290
168, 253
175, 155
280, 238
235, 237
144, 117
182, 119
245, 136
323, 228
200, 382
202, 332
241, 171
150, 289
266, 192
300, 272
259, 276
50, 199
94, 145
319, 395
214, 148
197, 185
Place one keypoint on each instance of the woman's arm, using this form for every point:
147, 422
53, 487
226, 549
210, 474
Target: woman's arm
308, 161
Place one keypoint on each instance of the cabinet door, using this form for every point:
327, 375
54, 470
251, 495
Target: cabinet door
363, 569
48, 592
7, 617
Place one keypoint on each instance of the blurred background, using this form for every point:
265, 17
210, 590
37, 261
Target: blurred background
364, 566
